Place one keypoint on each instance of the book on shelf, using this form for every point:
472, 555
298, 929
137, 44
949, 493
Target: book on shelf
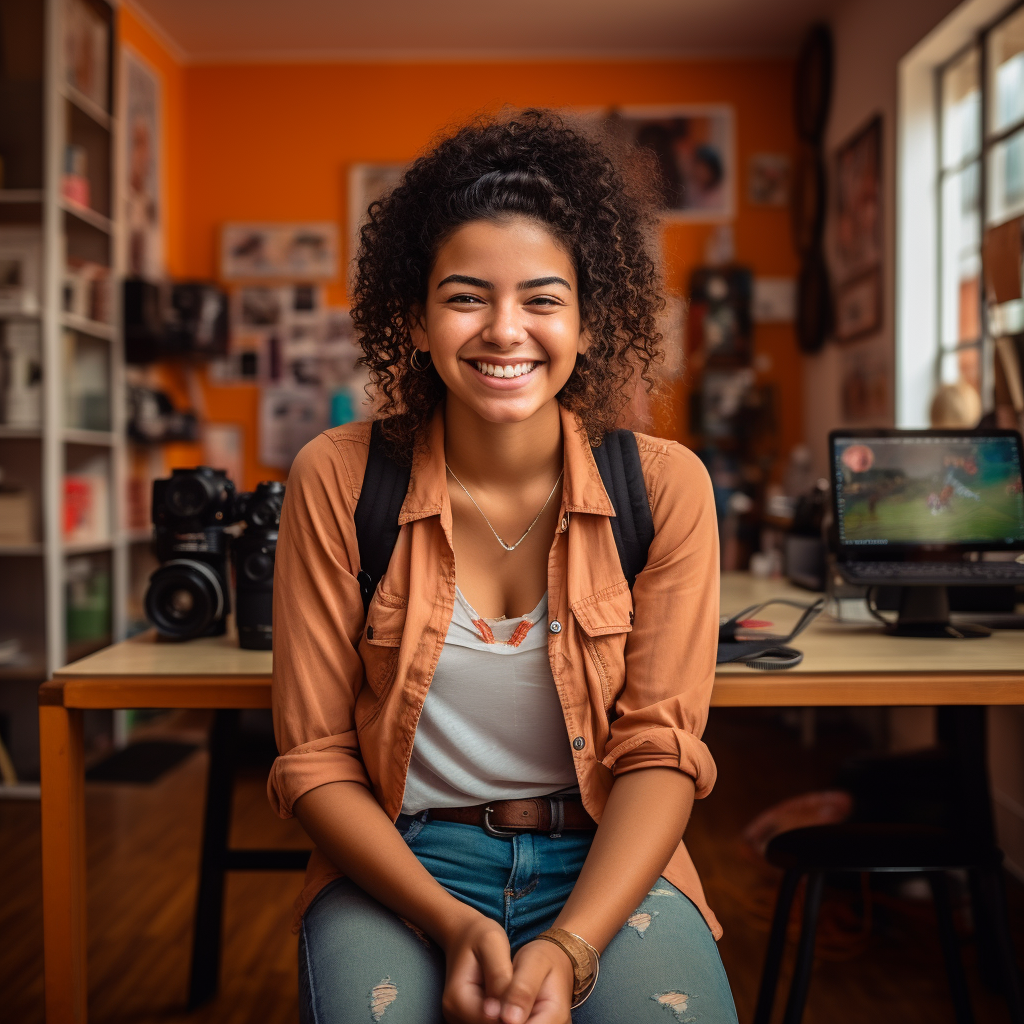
86, 382
88, 600
87, 290
21, 374
21, 268
74, 182
86, 51
87, 504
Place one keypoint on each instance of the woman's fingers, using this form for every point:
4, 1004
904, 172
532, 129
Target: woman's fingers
541, 987
479, 970
495, 961
462, 1002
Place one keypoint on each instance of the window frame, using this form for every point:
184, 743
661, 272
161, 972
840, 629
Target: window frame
983, 341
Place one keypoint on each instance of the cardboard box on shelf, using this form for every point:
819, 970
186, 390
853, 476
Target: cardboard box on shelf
15, 514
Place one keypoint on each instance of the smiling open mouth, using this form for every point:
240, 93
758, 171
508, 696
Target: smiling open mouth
512, 370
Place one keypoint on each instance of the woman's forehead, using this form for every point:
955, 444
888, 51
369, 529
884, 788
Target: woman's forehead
508, 249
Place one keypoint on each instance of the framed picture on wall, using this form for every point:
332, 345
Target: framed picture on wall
140, 156
859, 201
279, 251
366, 184
694, 147
859, 306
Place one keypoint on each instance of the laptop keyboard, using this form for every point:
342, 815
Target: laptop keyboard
938, 572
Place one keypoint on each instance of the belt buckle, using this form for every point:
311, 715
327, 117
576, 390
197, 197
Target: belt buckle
491, 830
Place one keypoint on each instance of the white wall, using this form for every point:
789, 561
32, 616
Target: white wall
870, 37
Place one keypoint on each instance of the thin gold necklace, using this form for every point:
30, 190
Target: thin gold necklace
507, 547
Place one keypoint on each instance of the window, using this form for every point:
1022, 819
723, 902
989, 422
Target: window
981, 184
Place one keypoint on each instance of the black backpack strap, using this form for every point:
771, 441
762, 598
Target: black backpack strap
385, 484
618, 461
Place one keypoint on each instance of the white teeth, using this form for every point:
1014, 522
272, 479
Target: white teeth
495, 370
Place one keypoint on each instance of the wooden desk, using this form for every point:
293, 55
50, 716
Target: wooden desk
844, 664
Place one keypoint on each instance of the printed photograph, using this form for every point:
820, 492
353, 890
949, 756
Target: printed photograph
279, 251
694, 151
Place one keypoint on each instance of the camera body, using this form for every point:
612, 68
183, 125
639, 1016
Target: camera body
190, 594
254, 554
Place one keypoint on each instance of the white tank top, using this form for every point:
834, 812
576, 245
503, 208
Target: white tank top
492, 726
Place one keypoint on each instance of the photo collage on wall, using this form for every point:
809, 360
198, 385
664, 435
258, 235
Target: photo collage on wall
285, 338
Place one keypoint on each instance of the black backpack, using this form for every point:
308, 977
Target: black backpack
385, 484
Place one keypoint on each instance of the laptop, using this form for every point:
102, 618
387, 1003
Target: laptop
914, 507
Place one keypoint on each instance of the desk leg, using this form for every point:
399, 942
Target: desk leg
206, 940
64, 888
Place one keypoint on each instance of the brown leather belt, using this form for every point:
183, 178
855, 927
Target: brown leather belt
551, 814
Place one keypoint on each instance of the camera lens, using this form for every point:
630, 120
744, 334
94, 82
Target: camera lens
258, 566
187, 495
184, 598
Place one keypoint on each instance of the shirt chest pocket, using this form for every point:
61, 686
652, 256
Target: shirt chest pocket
381, 641
605, 619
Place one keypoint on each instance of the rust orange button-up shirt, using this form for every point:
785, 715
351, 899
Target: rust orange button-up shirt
633, 671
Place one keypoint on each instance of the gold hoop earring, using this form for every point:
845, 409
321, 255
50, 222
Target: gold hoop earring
415, 363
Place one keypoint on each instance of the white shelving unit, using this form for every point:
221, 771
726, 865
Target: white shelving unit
37, 574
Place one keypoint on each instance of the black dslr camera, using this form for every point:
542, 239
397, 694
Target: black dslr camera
189, 595
254, 563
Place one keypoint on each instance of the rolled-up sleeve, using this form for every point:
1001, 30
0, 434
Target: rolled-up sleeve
660, 713
318, 617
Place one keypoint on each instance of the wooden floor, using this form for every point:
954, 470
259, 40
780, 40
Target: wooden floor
143, 852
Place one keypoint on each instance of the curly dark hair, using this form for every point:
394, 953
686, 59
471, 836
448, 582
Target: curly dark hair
597, 197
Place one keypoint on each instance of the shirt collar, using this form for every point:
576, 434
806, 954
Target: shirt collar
582, 487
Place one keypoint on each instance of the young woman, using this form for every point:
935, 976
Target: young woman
496, 763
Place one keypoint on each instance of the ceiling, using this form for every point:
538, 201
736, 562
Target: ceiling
215, 30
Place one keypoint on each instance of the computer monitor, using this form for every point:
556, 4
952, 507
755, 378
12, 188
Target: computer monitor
911, 505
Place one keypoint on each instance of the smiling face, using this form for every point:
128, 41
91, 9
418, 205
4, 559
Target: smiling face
502, 320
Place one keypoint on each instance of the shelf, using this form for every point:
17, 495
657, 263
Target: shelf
20, 791
87, 216
20, 433
12, 550
87, 106
94, 328
91, 547
26, 668
21, 195
99, 438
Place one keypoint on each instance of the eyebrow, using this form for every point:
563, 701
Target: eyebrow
477, 282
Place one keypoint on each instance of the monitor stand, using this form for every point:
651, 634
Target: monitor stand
924, 611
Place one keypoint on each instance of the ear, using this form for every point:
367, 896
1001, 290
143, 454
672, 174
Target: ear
418, 330
584, 341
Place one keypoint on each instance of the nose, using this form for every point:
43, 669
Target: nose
504, 327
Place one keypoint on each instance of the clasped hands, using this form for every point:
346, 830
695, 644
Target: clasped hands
484, 984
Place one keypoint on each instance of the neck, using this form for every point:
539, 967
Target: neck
503, 453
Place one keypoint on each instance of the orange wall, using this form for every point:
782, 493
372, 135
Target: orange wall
275, 141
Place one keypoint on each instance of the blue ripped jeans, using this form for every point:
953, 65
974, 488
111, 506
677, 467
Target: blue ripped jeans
359, 963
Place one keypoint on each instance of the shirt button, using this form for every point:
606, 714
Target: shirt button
369, 632
555, 627
565, 523
579, 743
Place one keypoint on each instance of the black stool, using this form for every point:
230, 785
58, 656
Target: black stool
218, 858
824, 849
